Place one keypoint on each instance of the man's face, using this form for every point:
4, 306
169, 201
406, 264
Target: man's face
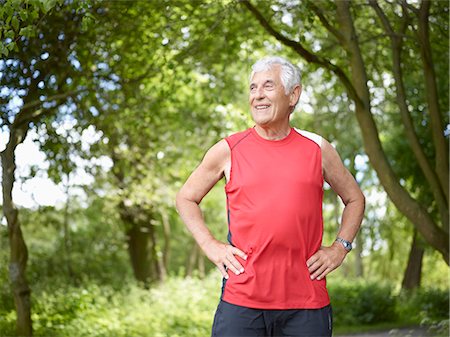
268, 101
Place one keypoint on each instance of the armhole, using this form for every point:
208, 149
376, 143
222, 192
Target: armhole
318, 140
227, 182
312, 136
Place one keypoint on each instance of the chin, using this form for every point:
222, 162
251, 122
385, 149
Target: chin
261, 120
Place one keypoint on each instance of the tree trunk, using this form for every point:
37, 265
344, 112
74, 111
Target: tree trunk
412, 276
67, 239
359, 269
167, 237
18, 248
141, 255
439, 190
357, 90
192, 260
201, 263
432, 96
415, 212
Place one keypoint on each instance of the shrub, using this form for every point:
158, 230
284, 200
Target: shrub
429, 307
362, 303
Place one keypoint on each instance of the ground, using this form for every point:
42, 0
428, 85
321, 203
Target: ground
407, 332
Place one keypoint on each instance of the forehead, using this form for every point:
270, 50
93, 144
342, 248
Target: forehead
271, 74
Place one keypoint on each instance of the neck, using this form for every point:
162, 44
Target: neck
271, 133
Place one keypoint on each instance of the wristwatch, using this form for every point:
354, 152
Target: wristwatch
347, 244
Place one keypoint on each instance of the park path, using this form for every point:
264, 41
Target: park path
406, 332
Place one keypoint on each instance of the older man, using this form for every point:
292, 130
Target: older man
274, 185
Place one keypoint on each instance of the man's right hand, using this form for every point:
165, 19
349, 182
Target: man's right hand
223, 256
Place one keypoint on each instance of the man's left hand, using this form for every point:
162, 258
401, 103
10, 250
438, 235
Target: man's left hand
325, 260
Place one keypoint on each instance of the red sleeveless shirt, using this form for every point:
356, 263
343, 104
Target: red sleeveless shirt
274, 201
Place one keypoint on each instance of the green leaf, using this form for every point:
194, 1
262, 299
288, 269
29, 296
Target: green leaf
86, 22
34, 15
15, 23
10, 34
27, 31
11, 46
47, 5
9, 11
3, 50
23, 15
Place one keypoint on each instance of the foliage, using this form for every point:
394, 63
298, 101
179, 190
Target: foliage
179, 307
357, 302
157, 83
424, 305
20, 19
186, 306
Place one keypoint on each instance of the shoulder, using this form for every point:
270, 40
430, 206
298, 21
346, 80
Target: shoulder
217, 152
330, 157
236, 138
319, 140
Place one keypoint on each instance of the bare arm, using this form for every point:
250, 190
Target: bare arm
342, 182
204, 177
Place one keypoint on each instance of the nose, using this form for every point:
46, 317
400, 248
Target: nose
259, 93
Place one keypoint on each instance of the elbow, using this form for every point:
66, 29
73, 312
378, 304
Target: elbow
362, 201
179, 198
182, 199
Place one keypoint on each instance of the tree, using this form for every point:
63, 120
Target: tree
167, 96
41, 79
341, 25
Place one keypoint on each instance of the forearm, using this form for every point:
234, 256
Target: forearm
192, 217
352, 217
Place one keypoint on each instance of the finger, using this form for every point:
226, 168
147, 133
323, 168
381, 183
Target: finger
316, 265
312, 260
222, 270
318, 272
325, 273
238, 252
235, 263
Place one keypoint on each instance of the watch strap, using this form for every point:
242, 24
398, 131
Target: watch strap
346, 244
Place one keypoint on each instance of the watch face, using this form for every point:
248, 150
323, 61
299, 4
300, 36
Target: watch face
347, 245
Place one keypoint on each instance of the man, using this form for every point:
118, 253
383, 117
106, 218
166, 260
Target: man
274, 266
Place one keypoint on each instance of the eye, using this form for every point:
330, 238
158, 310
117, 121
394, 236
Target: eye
269, 86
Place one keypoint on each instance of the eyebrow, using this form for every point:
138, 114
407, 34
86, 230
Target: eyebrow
266, 82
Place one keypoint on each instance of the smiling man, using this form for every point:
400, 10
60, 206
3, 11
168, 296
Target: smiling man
274, 265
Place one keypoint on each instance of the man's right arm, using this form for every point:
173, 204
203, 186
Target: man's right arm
200, 182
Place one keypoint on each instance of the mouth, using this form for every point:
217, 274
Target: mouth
262, 107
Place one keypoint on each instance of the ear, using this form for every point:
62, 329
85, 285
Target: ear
295, 95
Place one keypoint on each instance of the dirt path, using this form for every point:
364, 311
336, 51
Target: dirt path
408, 332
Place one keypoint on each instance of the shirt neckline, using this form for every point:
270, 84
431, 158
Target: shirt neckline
276, 142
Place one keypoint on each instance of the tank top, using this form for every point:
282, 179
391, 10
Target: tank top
274, 201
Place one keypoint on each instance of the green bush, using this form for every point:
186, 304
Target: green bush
429, 307
362, 303
179, 307
186, 306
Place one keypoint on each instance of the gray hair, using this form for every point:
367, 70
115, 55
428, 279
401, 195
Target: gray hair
290, 74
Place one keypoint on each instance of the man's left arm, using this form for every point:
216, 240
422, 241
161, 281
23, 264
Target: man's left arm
342, 182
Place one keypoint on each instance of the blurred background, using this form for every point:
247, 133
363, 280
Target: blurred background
107, 106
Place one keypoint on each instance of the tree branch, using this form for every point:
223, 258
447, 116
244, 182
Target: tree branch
412, 209
432, 96
306, 54
26, 116
325, 22
413, 139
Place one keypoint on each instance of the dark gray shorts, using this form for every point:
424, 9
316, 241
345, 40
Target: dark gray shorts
235, 321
